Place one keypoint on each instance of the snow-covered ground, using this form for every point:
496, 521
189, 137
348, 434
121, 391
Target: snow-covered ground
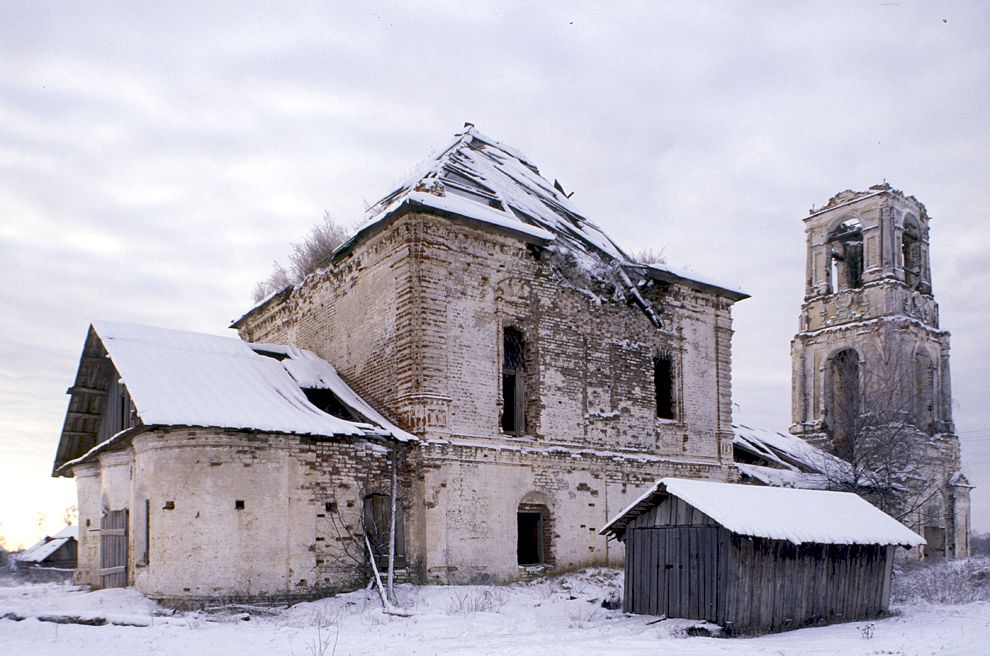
562, 615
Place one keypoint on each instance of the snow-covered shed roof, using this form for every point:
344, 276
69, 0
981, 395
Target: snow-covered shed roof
790, 461
43, 549
179, 378
798, 516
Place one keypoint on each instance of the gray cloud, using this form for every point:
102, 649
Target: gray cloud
155, 159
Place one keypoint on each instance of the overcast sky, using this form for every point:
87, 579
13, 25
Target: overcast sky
155, 160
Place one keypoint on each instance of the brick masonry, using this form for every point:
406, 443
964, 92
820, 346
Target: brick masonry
412, 318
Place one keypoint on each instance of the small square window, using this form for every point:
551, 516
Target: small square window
169, 505
239, 504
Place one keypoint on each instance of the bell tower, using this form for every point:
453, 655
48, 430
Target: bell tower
870, 364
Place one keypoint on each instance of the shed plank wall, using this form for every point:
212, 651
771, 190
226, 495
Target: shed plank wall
680, 564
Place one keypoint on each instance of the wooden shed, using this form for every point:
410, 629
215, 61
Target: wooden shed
754, 559
59, 551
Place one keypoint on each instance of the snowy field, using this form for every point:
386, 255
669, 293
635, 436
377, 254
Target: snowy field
562, 615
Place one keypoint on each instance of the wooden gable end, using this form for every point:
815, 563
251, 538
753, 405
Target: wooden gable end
99, 404
671, 511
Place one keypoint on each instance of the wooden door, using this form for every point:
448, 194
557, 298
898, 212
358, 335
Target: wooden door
113, 549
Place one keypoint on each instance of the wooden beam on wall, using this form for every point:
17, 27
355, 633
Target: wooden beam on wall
88, 391
83, 415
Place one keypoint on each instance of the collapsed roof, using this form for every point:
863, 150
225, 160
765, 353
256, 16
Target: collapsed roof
797, 516
488, 183
483, 180
780, 460
179, 378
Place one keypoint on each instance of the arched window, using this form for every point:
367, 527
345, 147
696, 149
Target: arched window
843, 412
846, 241
513, 381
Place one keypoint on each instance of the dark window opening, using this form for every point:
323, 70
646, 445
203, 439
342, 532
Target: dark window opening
169, 505
123, 410
145, 557
911, 257
529, 548
328, 402
377, 525
844, 415
239, 504
935, 537
663, 386
847, 256
924, 390
513, 381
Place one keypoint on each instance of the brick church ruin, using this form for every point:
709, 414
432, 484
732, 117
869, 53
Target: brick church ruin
480, 348
871, 364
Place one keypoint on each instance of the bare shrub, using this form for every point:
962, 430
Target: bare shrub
942, 581
324, 644
276, 280
484, 601
979, 544
307, 256
649, 255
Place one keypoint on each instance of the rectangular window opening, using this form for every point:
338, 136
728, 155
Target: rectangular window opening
529, 549
663, 384
513, 381
509, 403
147, 532
239, 504
377, 525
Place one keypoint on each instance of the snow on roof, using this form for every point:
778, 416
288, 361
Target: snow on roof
68, 532
482, 179
41, 550
310, 371
281, 291
793, 453
667, 271
178, 378
784, 477
777, 513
